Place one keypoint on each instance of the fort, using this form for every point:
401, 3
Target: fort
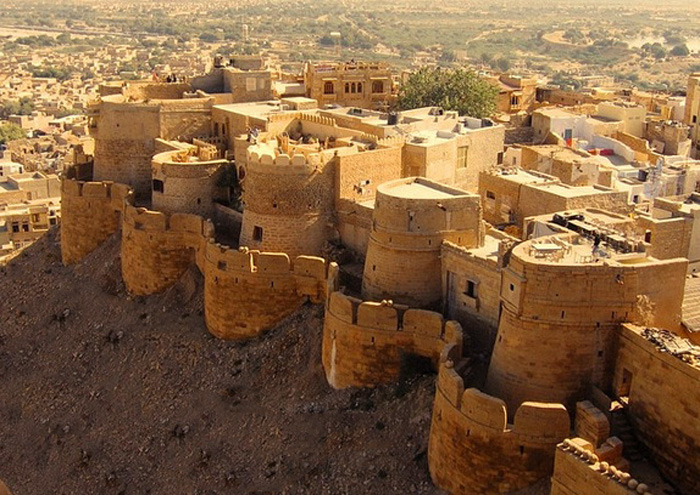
551, 310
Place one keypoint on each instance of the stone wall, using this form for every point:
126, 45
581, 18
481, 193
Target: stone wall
90, 213
187, 186
473, 450
403, 254
246, 292
288, 204
556, 332
579, 471
364, 343
158, 248
478, 315
664, 405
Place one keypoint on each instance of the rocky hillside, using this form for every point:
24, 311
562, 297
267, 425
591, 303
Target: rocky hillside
103, 393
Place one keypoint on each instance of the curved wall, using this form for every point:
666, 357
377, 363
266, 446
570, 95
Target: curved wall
473, 450
246, 292
157, 249
90, 213
403, 253
187, 187
364, 342
288, 203
557, 327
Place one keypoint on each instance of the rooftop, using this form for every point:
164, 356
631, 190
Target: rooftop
419, 188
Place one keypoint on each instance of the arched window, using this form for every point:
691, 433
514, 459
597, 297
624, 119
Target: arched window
328, 88
354, 88
377, 86
359, 87
347, 87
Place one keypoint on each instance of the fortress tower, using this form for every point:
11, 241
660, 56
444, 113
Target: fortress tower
411, 219
186, 181
561, 305
125, 128
288, 201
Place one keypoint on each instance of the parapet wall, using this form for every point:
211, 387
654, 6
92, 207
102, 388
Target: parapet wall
90, 213
246, 292
158, 248
557, 329
579, 471
663, 395
473, 450
364, 342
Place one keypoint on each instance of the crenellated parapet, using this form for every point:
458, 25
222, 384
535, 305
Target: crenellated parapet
90, 214
364, 343
578, 470
248, 291
473, 448
158, 248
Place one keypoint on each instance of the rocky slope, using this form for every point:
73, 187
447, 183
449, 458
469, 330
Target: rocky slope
103, 393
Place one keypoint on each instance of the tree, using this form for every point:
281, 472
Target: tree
680, 50
10, 132
450, 89
503, 64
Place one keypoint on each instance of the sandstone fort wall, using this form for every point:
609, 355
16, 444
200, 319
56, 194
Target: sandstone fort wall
246, 292
664, 406
158, 248
364, 342
403, 253
556, 332
288, 204
472, 447
578, 471
90, 213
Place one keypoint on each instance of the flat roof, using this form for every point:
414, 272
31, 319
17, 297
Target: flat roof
420, 188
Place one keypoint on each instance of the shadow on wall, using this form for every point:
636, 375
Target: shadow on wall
241, 286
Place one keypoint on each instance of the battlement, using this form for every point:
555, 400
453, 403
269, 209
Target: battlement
90, 214
267, 160
386, 316
144, 219
535, 420
473, 445
118, 194
364, 342
578, 469
246, 261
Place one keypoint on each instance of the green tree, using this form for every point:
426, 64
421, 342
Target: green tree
680, 50
451, 89
10, 132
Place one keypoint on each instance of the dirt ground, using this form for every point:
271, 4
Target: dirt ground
105, 394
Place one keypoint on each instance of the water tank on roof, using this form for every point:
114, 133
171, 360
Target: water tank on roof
393, 118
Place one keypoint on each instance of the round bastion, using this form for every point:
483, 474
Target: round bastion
411, 218
185, 183
288, 201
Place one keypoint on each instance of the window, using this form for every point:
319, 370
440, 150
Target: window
377, 86
216, 128
35, 218
353, 88
647, 236
471, 289
347, 87
15, 227
52, 221
514, 101
359, 87
695, 119
250, 84
158, 186
500, 157
462, 157
257, 234
490, 195
328, 88
25, 227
